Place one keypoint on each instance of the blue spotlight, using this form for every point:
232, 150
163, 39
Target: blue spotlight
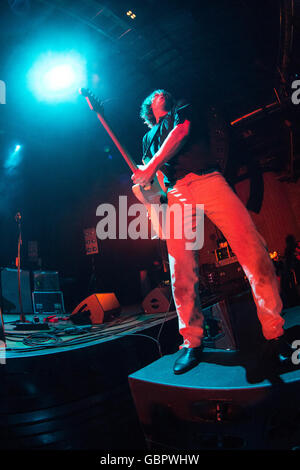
60, 77
13, 160
57, 76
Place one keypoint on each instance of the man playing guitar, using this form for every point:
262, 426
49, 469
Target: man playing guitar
176, 144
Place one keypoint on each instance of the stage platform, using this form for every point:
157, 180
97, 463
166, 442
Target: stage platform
228, 401
64, 335
219, 369
68, 390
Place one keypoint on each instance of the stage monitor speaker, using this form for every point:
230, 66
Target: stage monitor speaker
10, 291
96, 309
159, 300
218, 332
217, 405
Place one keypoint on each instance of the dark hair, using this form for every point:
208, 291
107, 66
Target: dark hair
146, 112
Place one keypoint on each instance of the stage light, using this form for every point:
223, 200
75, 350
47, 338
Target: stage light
57, 76
60, 77
13, 160
131, 14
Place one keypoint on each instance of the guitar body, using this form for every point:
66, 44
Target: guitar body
151, 198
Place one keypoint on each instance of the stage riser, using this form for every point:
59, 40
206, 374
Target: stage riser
177, 419
77, 399
99, 426
230, 400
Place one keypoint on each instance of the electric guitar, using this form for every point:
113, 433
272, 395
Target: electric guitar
150, 195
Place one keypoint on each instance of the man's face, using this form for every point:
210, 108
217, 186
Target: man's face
158, 103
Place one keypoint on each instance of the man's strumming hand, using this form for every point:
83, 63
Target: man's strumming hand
144, 174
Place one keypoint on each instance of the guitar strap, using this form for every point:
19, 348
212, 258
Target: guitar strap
158, 127
151, 141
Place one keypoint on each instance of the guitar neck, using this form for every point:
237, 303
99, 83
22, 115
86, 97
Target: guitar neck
121, 149
132, 165
96, 105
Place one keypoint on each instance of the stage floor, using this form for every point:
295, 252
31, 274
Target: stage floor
71, 391
219, 369
229, 401
64, 335
65, 390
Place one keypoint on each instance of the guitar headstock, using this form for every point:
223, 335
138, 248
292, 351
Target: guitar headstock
94, 102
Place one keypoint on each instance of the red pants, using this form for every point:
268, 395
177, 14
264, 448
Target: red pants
227, 212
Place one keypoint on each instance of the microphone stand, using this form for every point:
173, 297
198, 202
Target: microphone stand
22, 324
18, 220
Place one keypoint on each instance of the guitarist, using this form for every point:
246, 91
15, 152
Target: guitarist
176, 144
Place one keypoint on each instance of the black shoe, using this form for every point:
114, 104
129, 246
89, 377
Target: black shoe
189, 358
280, 349
271, 357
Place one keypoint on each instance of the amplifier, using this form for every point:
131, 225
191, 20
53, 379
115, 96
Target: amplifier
218, 331
48, 302
45, 281
230, 272
216, 275
9, 298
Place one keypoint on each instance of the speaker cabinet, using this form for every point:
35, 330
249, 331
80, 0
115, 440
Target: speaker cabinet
96, 309
48, 302
10, 291
218, 332
215, 407
46, 281
158, 300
